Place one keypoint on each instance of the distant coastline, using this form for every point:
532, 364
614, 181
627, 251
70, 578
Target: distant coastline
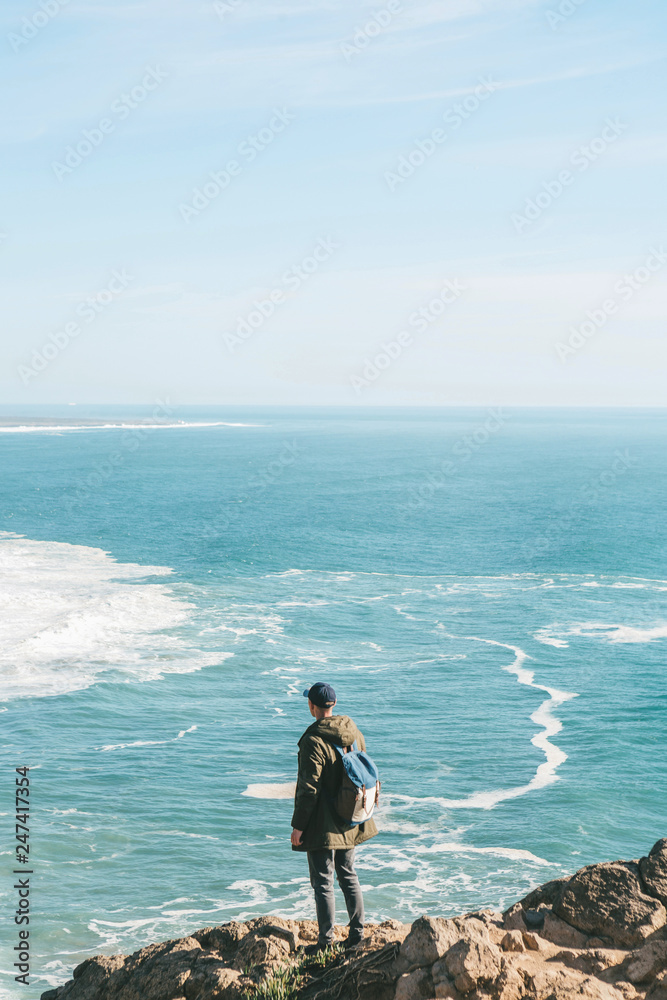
28, 424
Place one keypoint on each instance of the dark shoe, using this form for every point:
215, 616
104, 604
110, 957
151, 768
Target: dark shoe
349, 944
315, 949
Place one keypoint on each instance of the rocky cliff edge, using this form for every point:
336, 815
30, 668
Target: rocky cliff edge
600, 934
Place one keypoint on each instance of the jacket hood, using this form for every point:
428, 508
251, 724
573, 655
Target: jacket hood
337, 729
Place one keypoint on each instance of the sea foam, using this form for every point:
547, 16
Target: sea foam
542, 716
609, 633
284, 790
70, 614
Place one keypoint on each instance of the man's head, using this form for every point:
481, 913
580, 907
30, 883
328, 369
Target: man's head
321, 700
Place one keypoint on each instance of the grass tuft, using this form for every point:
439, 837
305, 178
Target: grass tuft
285, 981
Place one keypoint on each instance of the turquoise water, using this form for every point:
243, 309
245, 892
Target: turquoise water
485, 591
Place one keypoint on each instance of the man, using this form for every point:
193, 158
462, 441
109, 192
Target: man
317, 828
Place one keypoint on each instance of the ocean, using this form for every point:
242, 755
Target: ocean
484, 588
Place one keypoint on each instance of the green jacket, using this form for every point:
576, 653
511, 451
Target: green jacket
320, 775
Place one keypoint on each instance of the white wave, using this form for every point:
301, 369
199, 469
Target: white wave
546, 772
258, 891
146, 743
182, 833
70, 614
315, 603
53, 974
285, 790
69, 812
147, 425
627, 633
243, 619
610, 633
171, 902
513, 853
545, 637
403, 827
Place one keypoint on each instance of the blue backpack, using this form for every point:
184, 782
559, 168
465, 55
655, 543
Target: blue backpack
360, 788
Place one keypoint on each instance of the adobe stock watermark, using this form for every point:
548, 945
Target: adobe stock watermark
621, 463
224, 8
581, 158
248, 150
565, 9
461, 452
275, 469
33, 24
625, 288
423, 149
590, 493
88, 310
131, 440
292, 280
419, 320
364, 33
92, 138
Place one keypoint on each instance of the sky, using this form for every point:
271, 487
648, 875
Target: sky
445, 202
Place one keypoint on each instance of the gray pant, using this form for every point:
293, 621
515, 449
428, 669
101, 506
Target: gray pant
321, 865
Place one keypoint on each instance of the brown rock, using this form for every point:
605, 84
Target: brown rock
275, 927
509, 985
428, 940
657, 992
470, 960
487, 917
626, 989
189, 944
378, 935
512, 941
554, 929
257, 950
212, 978
447, 990
551, 981
473, 925
561, 933
226, 984
161, 980
439, 971
531, 941
590, 962
607, 900
415, 985
225, 939
543, 895
647, 962
91, 976
513, 918
653, 870
496, 933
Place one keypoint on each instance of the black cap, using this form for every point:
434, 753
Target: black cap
321, 694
